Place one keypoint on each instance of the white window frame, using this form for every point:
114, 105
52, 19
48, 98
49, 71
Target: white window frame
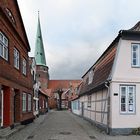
29, 102
90, 76
24, 66
89, 101
24, 101
3, 46
16, 58
137, 55
130, 106
36, 107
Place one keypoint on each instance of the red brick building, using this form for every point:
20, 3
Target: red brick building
67, 86
43, 102
15, 77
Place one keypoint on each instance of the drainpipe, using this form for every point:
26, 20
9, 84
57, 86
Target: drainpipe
107, 83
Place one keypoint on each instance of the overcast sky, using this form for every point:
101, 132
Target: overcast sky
76, 32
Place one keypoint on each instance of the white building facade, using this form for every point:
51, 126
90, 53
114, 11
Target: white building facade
109, 95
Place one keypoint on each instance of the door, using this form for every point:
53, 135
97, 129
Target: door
17, 106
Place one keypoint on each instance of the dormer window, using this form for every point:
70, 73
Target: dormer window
10, 15
90, 76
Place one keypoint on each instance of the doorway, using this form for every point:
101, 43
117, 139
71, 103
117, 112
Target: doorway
16, 106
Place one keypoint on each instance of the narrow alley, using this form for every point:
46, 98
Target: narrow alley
63, 125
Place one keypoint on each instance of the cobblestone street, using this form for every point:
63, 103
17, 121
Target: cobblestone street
63, 125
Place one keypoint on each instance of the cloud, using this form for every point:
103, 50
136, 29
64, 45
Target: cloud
76, 32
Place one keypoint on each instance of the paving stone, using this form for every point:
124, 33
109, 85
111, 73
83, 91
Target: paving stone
63, 125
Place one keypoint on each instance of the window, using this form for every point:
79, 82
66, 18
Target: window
29, 102
127, 99
3, 46
43, 104
89, 101
135, 55
16, 58
90, 76
24, 102
9, 13
36, 105
24, 66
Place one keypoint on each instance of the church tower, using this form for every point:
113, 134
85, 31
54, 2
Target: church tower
41, 67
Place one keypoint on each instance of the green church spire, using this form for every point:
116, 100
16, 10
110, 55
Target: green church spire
39, 47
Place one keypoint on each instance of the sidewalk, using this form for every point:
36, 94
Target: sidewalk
8, 132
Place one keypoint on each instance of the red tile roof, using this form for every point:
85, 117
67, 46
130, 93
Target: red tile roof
63, 84
44, 92
102, 70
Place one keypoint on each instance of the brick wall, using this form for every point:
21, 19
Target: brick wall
43, 76
11, 77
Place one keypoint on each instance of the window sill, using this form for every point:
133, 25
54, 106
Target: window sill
135, 66
127, 113
6, 60
17, 69
24, 74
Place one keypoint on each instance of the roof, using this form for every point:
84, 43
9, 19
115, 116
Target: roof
18, 16
101, 73
39, 47
44, 92
29, 49
103, 66
64, 84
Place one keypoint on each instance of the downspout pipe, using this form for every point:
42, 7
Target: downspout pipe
107, 85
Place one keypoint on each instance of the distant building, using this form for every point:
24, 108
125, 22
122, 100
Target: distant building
109, 93
66, 86
41, 68
36, 85
43, 101
15, 76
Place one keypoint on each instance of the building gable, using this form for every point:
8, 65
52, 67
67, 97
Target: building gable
102, 71
11, 10
112, 61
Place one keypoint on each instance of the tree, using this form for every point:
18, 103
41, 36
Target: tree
59, 92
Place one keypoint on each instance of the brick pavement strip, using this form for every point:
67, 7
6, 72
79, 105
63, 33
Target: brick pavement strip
63, 125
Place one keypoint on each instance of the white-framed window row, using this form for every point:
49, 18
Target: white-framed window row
24, 100
3, 46
16, 58
127, 99
135, 50
29, 102
24, 66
